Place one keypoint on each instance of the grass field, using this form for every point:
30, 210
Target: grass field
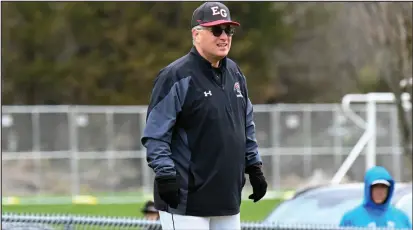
249, 211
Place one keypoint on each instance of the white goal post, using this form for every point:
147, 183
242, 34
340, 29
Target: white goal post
369, 125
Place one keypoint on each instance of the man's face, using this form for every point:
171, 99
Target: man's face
379, 193
151, 216
216, 40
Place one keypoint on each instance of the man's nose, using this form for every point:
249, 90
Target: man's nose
223, 35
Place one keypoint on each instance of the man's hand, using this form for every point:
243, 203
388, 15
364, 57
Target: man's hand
257, 180
168, 190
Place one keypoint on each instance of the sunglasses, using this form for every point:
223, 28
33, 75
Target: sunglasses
217, 30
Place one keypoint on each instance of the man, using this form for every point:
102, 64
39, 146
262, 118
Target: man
376, 211
149, 211
200, 134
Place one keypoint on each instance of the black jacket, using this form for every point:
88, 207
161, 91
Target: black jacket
201, 129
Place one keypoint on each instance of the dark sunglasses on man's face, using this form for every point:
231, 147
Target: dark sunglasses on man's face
217, 30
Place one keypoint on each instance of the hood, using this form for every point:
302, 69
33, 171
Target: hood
375, 174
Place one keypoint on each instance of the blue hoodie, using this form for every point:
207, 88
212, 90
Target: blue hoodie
370, 214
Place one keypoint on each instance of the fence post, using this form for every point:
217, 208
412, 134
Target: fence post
371, 153
395, 149
110, 140
275, 156
74, 164
306, 122
36, 148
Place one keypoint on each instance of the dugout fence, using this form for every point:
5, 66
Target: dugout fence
11, 221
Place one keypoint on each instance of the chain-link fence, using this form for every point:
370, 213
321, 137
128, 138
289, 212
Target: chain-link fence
60, 222
74, 150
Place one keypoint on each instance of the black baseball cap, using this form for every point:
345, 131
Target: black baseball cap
212, 14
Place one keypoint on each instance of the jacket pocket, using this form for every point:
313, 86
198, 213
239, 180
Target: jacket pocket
192, 185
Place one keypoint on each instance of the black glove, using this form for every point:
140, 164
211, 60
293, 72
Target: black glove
168, 190
257, 180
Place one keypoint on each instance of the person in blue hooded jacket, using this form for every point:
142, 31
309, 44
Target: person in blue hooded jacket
376, 210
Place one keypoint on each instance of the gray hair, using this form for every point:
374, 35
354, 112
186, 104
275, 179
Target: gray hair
198, 27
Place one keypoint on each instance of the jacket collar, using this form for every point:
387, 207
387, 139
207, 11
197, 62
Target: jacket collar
194, 52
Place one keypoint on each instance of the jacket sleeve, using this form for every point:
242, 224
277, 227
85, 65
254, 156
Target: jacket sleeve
407, 223
251, 156
167, 99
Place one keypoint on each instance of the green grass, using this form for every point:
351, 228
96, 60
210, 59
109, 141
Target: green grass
249, 211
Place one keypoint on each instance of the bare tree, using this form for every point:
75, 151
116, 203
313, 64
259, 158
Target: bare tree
325, 51
351, 47
377, 35
387, 29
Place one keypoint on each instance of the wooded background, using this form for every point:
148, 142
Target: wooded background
108, 53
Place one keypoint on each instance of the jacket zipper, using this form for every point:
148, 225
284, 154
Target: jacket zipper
224, 79
222, 87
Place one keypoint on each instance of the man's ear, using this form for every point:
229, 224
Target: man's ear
195, 35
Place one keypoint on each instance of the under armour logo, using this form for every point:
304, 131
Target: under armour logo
209, 93
216, 11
